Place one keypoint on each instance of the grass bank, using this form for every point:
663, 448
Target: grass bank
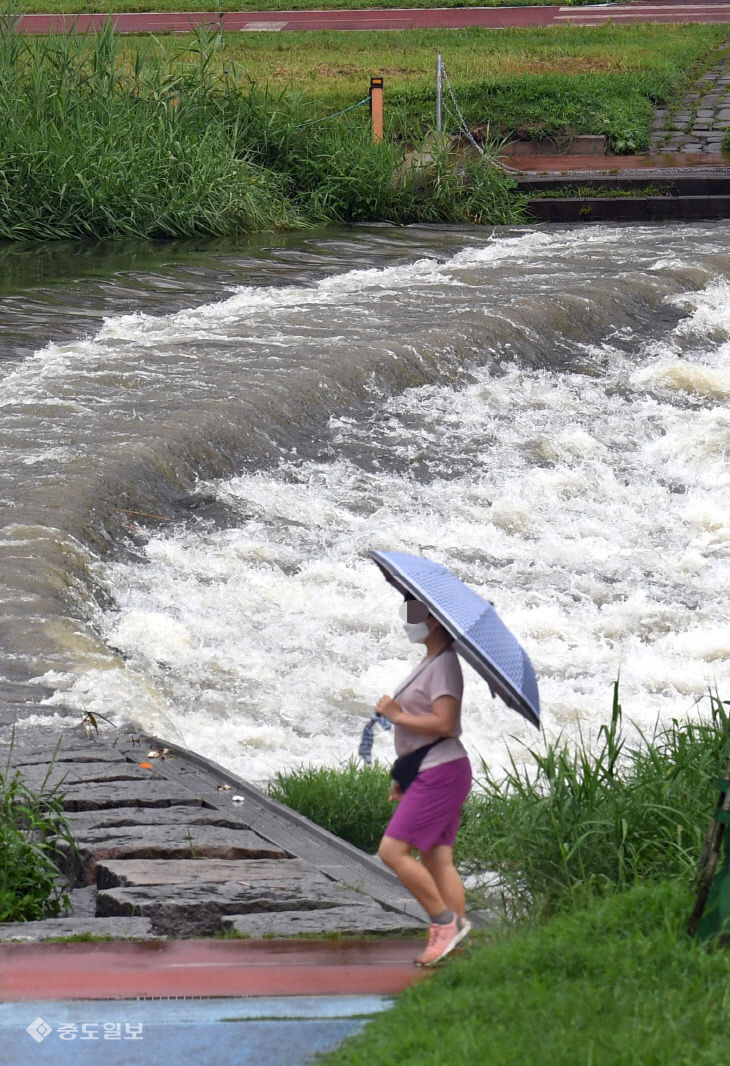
617, 983
597, 847
101, 142
107, 137
556, 82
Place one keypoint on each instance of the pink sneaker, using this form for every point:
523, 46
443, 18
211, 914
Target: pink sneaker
442, 939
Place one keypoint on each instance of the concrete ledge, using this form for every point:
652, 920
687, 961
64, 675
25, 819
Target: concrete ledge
629, 209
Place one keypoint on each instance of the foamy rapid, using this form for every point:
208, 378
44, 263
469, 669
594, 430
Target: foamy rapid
585, 494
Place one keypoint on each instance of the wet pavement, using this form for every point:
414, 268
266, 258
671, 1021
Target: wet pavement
268, 1031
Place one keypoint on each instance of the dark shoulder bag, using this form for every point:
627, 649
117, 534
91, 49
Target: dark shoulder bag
405, 768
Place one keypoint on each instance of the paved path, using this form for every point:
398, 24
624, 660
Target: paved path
264, 1031
205, 968
386, 19
699, 121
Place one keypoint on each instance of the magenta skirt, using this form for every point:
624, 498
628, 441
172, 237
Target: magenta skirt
430, 811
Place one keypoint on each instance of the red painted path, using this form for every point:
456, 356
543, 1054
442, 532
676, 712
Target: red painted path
391, 19
206, 968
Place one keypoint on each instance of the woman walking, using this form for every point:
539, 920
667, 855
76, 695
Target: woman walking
432, 780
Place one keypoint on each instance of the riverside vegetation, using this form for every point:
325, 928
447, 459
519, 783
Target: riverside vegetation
595, 847
105, 138
32, 886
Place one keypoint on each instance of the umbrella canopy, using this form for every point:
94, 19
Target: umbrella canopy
480, 636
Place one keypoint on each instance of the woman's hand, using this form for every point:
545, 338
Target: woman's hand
389, 709
396, 793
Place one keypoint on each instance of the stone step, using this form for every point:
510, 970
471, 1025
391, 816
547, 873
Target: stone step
131, 873
185, 910
22, 755
676, 184
629, 208
115, 928
95, 796
355, 920
65, 775
172, 841
82, 823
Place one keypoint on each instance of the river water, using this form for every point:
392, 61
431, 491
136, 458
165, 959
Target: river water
544, 410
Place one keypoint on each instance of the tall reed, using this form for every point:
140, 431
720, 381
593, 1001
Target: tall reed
575, 820
96, 145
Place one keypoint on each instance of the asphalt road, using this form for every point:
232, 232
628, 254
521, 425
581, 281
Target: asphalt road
388, 19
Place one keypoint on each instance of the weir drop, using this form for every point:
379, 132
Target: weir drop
201, 443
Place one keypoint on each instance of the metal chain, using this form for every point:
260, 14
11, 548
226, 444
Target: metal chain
462, 120
315, 121
465, 129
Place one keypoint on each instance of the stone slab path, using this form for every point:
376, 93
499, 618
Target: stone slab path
701, 118
172, 845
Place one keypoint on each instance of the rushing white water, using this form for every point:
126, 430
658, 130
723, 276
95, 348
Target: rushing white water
586, 496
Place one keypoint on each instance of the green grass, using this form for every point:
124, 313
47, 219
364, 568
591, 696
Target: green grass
615, 984
32, 886
556, 82
581, 820
351, 802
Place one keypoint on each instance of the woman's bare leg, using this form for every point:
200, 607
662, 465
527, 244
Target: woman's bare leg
413, 875
439, 862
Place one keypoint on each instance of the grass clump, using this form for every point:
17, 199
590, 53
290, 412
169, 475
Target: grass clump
89, 150
617, 983
351, 802
32, 886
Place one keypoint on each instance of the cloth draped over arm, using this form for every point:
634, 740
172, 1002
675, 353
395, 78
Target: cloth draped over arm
365, 750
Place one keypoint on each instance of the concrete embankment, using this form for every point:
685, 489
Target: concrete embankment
643, 195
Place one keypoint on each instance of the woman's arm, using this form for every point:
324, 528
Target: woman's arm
442, 721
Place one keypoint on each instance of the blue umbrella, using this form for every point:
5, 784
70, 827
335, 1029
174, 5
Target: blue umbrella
480, 636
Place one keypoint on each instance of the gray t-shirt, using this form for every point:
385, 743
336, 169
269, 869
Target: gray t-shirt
441, 676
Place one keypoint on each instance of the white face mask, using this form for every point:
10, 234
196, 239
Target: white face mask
417, 632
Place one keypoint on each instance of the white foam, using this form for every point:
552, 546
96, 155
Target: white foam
273, 640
